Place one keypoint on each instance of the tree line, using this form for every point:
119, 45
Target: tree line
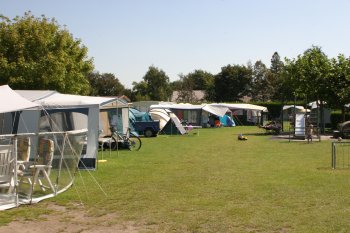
38, 53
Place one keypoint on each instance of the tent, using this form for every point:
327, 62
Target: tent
196, 115
245, 113
168, 121
42, 163
227, 121
82, 112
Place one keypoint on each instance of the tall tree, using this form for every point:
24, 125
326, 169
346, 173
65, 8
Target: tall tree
312, 71
155, 85
140, 91
232, 83
200, 79
185, 91
280, 88
311, 74
339, 83
261, 89
276, 63
37, 53
197, 80
105, 84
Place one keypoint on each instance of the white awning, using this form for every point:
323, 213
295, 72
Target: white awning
11, 101
285, 107
216, 110
242, 106
177, 106
55, 99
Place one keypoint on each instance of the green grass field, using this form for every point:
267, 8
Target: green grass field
211, 182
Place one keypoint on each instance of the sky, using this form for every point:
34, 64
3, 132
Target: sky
126, 37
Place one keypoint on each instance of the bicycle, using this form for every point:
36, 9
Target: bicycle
131, 142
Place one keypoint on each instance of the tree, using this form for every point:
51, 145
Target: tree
339, 83
37, 53
140, 91
261, 89
232, 83
312, 71
279, 80
201, 79
276, 64
105, 85
155, 85
197, 80
310, 77
186, 90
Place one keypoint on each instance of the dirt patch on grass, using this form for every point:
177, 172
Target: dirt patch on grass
76, 219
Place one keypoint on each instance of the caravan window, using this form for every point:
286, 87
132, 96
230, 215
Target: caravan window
63, 120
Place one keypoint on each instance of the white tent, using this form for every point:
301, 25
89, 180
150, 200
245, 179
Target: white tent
216, 110
54, 101
11, 101
252, 113
162, 115
24, 150
196, 114
165, 116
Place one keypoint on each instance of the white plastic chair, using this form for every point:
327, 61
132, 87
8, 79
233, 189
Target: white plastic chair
7, 165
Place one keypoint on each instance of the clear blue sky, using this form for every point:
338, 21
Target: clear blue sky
125, 37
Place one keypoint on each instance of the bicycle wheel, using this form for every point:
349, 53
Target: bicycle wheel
134, 142
111, 143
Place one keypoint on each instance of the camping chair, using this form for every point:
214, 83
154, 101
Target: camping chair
23, 154
7, 161
41, 167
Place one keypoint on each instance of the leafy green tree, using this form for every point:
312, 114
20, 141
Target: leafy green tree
200, 79
312, 71
232, 83
105, 85
309, 75
279, 81
276, 64
339, 83
140, 91
155, 85
176, 85
37, 53
261, 89
185, 91
197, 80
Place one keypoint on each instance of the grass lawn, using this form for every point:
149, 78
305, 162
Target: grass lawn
212, 182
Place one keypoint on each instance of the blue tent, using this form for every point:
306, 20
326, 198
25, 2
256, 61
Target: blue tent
227, 121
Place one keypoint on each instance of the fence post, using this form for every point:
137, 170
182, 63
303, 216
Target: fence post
334, 155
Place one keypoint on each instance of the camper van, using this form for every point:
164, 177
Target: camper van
142, 123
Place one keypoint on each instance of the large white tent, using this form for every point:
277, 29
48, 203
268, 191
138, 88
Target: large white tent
28, 155
216, 110
194, 114
53, 101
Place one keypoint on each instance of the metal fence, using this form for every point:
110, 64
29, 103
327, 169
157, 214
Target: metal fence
341, 154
